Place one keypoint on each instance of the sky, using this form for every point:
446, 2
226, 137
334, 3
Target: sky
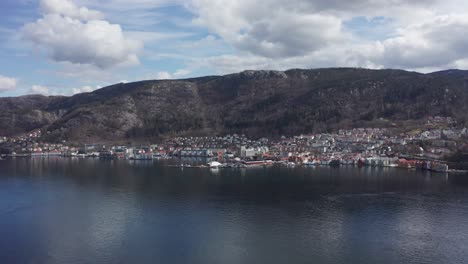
64, 47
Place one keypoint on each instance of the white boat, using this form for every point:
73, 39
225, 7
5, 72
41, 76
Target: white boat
214, 164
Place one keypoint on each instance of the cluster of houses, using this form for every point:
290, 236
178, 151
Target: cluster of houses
420, 148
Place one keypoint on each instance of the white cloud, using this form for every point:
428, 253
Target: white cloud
163, 75
181, 73
274, 34
7, 83
84, 89
296, 28
67, 37
39, 89
437, 42
290, 35
70, 9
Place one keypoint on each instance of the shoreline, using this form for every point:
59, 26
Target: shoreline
234, 165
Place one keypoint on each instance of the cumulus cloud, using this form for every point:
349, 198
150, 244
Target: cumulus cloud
268, 28
276, 28
39, 89
439, 41
287, 35
7, 83
71, 34
276, 34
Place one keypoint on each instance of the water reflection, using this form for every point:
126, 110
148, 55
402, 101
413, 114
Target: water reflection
83, 210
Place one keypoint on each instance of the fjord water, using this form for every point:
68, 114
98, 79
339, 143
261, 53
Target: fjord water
94, 211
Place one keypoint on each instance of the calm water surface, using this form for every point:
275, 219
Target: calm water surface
92, 211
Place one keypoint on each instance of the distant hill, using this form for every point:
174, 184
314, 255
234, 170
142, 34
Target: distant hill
257, 103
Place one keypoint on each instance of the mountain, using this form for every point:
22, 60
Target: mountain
258, 103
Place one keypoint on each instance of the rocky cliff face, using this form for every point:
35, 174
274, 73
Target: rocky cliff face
254, 102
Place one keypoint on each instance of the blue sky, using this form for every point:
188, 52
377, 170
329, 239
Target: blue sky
64, 47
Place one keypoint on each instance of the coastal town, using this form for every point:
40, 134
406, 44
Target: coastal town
424, 148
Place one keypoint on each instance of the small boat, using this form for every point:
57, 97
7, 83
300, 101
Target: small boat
214, 164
